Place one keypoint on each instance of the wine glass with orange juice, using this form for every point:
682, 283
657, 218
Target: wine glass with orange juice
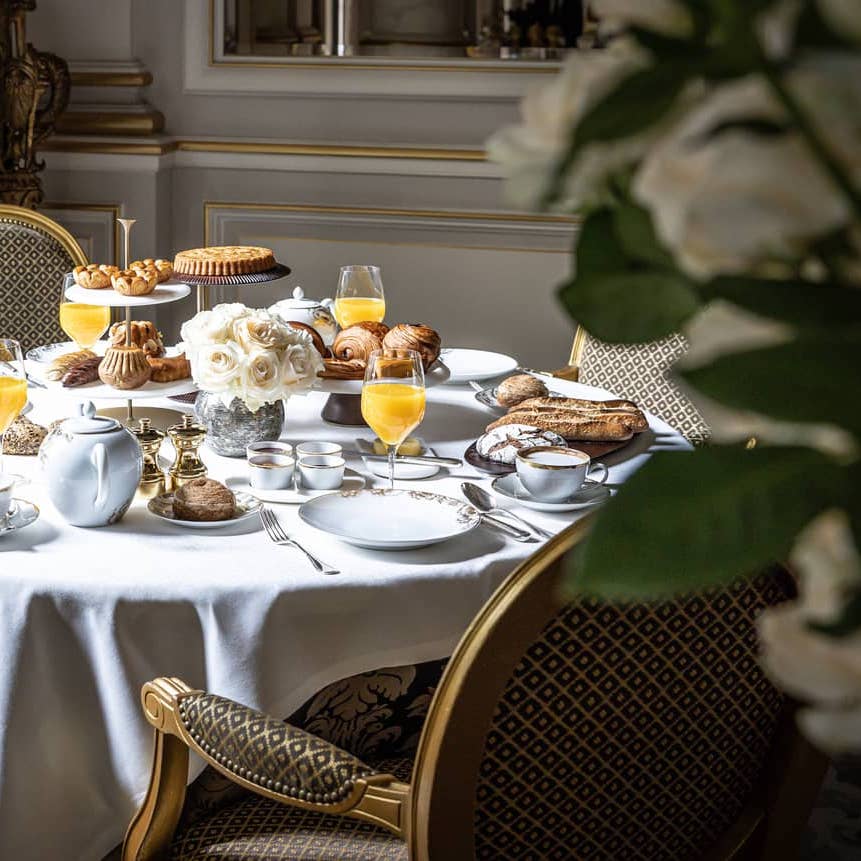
393, 398
13, 387
83, 323
359, 297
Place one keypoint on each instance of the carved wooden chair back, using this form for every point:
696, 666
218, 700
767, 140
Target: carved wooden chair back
584, 730
36, 253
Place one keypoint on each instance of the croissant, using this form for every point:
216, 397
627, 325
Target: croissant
144, 335
170, 369
316, 338
343, 369
378, 329
356, 342
415, 336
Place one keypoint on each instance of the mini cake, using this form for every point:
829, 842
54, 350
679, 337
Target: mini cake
224, 260
95, 276
502, 444
203, 499
124, 367
162, 268
135, 282
144, 334
519, 388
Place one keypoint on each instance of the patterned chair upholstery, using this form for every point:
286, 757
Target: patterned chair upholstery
640, 372
36, 252
586, 731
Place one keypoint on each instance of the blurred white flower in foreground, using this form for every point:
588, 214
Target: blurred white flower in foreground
669, 17
726, 199
821, 670
529, 152
843, 16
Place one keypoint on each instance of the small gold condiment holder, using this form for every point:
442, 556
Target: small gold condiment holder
152, 481
187, 438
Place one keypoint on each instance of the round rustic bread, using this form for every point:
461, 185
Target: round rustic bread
204, 499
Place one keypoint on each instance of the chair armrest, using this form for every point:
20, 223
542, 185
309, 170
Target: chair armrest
271, 757
569, 372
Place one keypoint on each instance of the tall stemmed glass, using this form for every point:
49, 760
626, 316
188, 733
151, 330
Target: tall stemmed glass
393, 398
359, 297
83, 323
13, 387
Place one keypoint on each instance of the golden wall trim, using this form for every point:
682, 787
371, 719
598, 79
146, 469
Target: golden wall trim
84, 122
98, 147
111, 79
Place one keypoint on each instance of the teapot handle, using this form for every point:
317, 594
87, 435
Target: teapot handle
327, 303
99, 459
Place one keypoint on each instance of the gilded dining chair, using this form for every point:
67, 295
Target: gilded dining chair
559, 731
36, 253
639, 372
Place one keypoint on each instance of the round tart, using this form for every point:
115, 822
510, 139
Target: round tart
135, 282
224, 260
124, 367
204, 499
95, 276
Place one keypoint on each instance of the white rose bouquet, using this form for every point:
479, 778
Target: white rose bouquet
713, 153
249, 354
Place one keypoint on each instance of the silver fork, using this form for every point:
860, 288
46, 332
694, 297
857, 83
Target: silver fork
279, 536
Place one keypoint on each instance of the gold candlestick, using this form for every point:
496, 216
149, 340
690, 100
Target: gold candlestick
152, 481
186, 438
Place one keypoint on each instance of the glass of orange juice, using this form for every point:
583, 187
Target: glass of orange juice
84, 324
393, 398
359, 297
13, 387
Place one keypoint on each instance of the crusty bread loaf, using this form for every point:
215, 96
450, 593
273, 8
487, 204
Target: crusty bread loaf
626, 411
568, 425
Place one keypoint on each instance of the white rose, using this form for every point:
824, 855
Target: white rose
825, 671
216, 366
260, 331
529, 152
300, 364
843, 16
205, 327
669, 17
728, 202
260, 378
231, 311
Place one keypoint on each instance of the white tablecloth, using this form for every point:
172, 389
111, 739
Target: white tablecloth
88, 615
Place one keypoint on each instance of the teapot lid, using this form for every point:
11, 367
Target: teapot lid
88, 422
299, 300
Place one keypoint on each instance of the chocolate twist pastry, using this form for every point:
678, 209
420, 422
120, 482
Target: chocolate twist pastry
356, 342
415, 336
84, 372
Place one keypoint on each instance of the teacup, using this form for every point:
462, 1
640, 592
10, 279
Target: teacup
271, 471
268, 447
312, 448
552, 473
7, 485
321, 471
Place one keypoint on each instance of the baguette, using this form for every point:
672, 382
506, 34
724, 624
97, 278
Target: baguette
609, 429
629, 412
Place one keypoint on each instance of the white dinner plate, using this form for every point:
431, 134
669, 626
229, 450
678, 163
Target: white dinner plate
403, 471
487, 398
510, 487
390, 519
466, 365
437, 375
46, 354
294, 496
246, 507
167, 291
23, 514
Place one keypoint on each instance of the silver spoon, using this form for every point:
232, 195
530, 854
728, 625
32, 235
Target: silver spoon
483, 501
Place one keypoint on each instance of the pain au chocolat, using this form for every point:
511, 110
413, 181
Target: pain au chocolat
224, 260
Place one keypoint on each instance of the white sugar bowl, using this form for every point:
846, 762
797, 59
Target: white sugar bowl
310, 312
92, 466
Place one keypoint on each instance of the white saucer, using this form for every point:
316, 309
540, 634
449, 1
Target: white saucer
403, 471
23, 514
352, 481
466, 365
510, 487
246, 507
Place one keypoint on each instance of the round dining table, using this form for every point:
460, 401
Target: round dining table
89, 615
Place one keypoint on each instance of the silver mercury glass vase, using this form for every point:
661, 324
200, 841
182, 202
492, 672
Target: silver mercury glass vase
230, 429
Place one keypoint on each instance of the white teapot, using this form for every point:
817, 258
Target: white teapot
310, 312
92, 465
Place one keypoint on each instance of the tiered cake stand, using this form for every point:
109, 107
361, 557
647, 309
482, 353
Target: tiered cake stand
168, 291
204, 282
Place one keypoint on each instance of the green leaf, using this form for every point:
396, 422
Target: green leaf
688, 521
630, 307
597, 249
811, 379
637, 236
801, 303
